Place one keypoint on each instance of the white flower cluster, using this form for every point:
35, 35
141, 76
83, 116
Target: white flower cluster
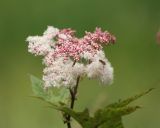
100, 68
64, 72
42, 45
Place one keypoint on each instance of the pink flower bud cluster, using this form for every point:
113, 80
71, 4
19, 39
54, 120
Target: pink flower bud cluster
70, 46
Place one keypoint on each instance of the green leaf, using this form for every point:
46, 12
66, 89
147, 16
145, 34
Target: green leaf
56, 96
111, 115
37, 87
82, 118
127, 101
108, 117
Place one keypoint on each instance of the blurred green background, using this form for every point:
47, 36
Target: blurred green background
135, 57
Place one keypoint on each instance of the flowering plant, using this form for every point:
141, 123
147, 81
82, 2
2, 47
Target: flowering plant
67, 60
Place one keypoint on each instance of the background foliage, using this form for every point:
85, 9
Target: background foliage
135, 57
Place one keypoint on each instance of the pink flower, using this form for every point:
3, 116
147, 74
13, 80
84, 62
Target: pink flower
69, 46
100, 37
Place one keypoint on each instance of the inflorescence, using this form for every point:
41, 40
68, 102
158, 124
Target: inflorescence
67, 57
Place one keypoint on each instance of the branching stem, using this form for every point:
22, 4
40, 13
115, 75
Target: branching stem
73, 92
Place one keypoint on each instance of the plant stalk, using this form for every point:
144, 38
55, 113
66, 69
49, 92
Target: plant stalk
73, 92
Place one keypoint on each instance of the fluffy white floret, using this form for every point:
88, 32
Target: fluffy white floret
78, 70
59, 74
49, 59
41, 45
107, 75
100, 69
38, 45
51, 32
94, 69
89, 56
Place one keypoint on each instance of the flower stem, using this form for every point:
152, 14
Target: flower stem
73, 92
